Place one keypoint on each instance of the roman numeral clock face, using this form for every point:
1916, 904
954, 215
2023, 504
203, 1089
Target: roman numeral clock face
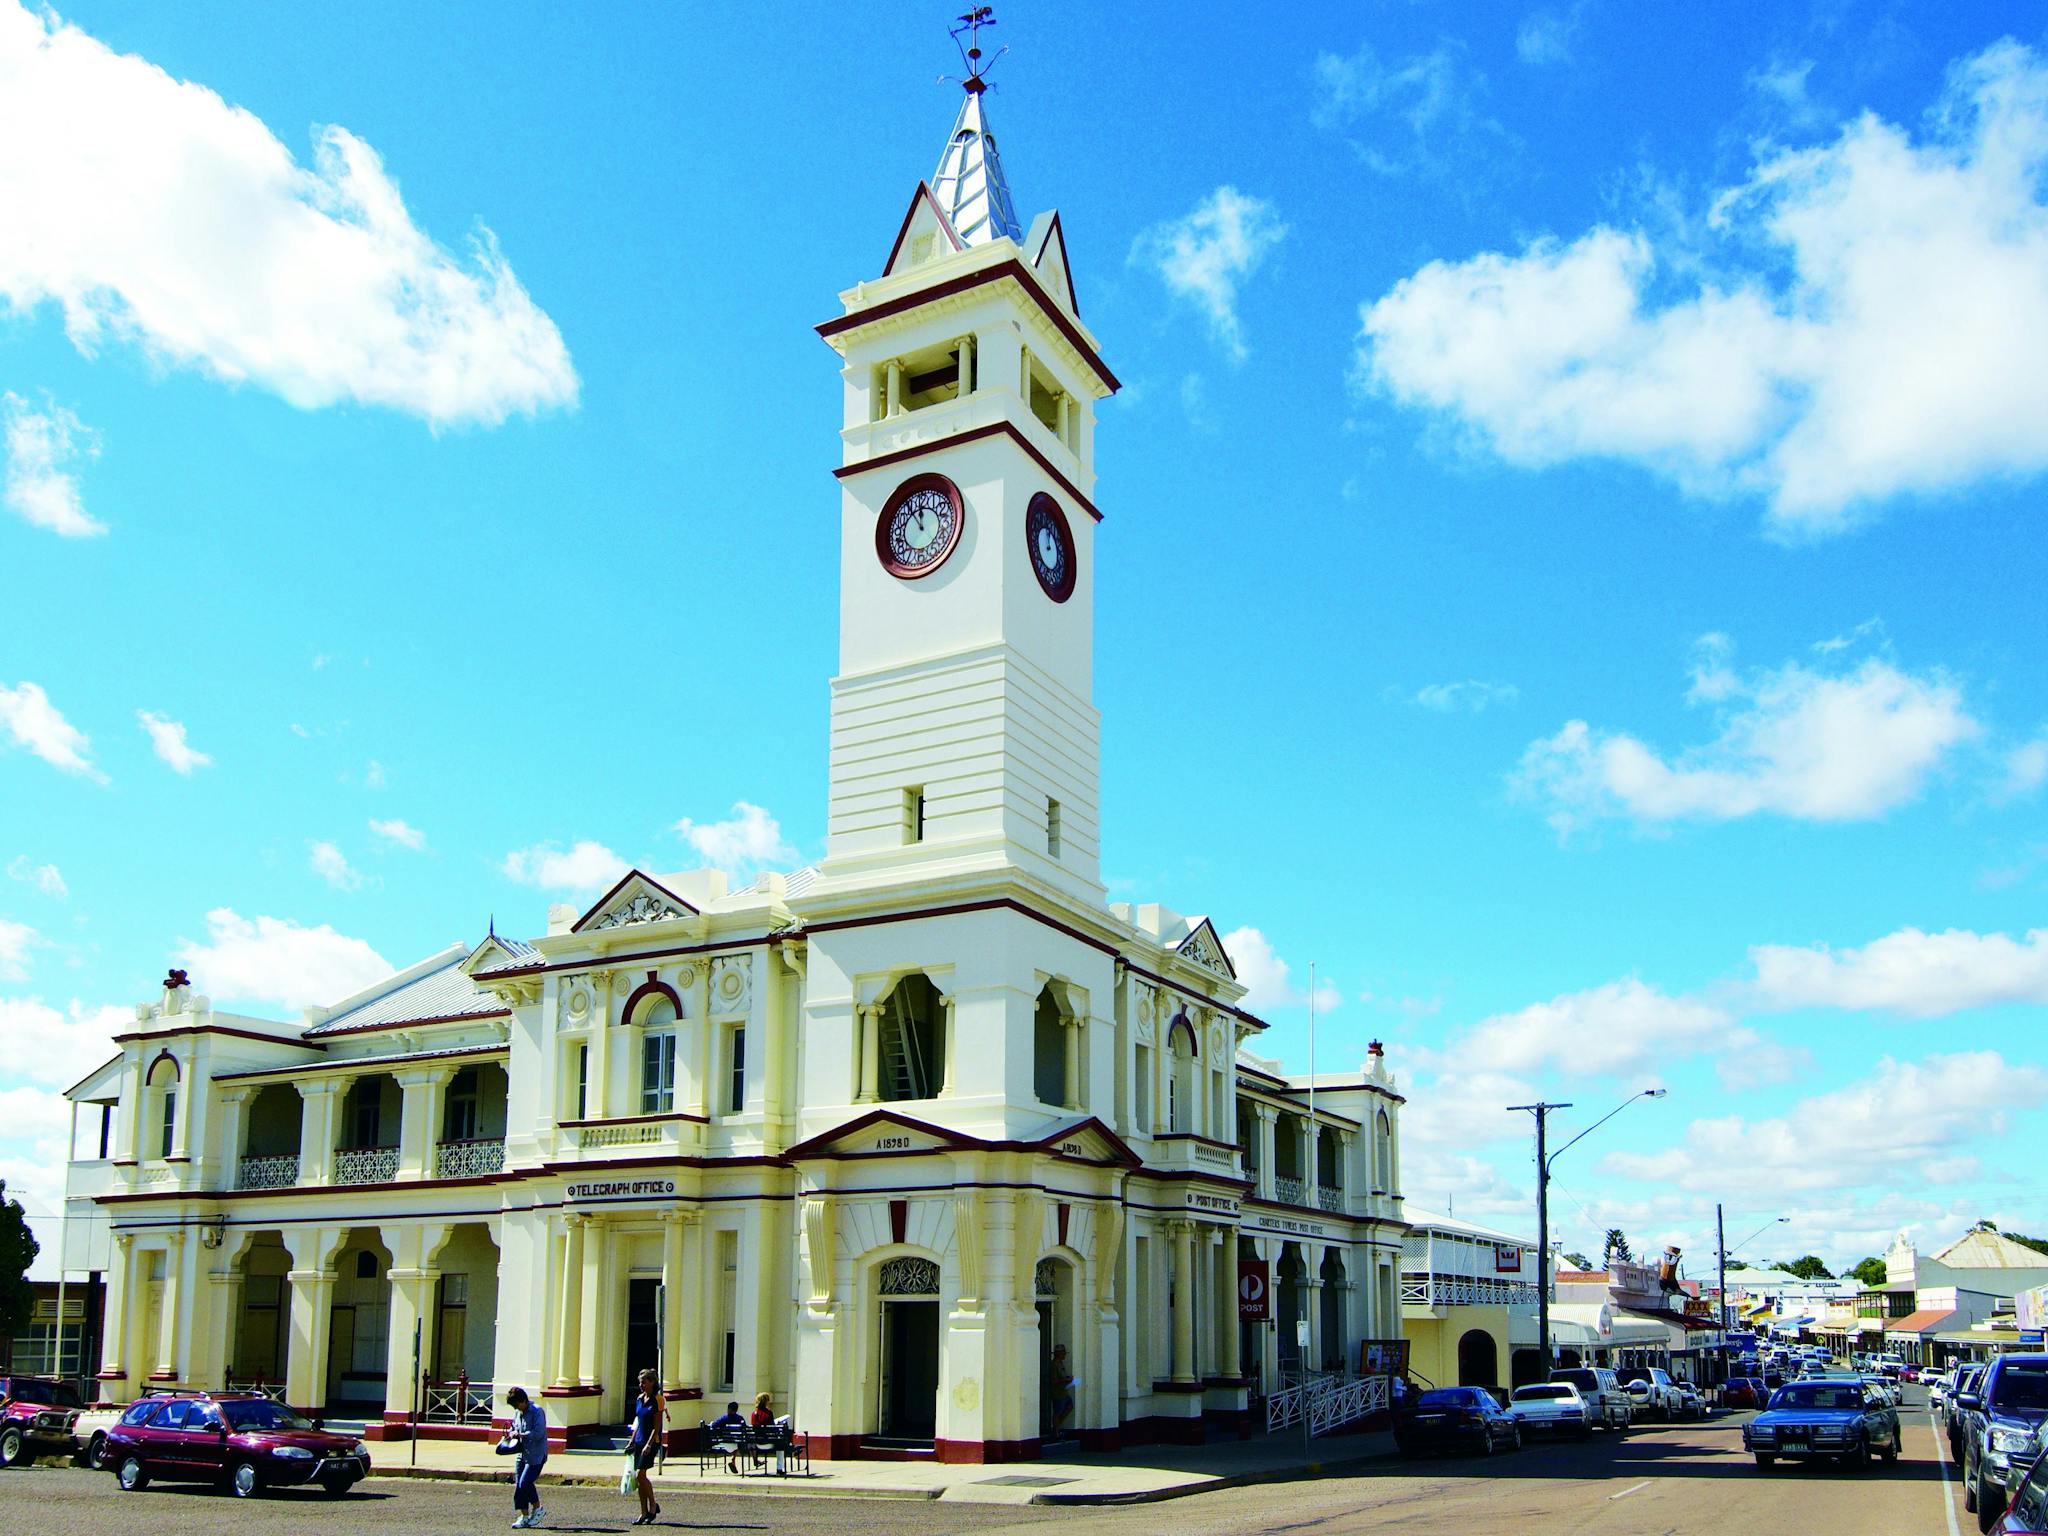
919, 527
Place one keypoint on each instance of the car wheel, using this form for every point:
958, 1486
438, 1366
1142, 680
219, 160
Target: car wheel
335, 1487
244, 1480
10, 1446
1969, 1493
96, 1452
1515, 1437
1989, 1508
1766, 1459
132, 1474
1485, 1441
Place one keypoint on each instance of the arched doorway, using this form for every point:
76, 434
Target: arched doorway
262, 1339
1292, 1272
1058, 1411
907, 1381
1336, 1285
1478, 1359
358, 1326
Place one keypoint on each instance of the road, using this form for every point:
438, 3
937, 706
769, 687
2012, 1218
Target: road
1685, 1480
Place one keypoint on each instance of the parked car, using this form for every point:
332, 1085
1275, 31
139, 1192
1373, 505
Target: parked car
1691, 1403
2027, 1514
1834, 1416
36, 1418
1457, 1418
1744, 1392
1652, 1390
1884, 1386
1936, 1383
89, 1434
2004, 1415
1552, 1407
1888, 1365
1597, 1384
239, 1440
1955, 1417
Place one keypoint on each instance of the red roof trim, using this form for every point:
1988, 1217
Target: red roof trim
973, 434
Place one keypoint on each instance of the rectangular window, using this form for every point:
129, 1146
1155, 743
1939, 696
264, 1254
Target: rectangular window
1143, 1105
737, 1100
913, 815
582, 1082
366, 1116
170, 1120
728, 1294
658, 1074
1052, 828
461, 1116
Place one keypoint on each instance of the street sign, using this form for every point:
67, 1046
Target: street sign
1254, 1295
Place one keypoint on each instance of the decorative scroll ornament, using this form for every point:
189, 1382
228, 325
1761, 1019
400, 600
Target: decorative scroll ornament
731, 984
1045, 1280
908, 1276
818, 1234
1202, 948
646, 907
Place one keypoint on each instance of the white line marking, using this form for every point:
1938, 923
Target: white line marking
1639, 1487
1948, 1503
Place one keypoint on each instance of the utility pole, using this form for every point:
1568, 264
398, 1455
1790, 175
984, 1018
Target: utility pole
1721, 1243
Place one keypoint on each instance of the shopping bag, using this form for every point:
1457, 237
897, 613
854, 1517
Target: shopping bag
628, 1474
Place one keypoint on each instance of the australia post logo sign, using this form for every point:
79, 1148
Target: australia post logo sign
1254, 1292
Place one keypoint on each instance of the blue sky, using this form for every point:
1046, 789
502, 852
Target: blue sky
1571, 567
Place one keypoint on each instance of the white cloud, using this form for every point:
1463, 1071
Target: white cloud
373, 775
1268, 980
40, 485
1470, 696
2026, 768
1208, 256
1420, 114
1906, 1121
168, 738
1919, 975
403, 833
34, 723
1545, 37
1869, 324
332, 865
587, 866
275, 960
46, 878
745, 841
55, 1047
1624, 1027
1794, 742
153, 212
16, 940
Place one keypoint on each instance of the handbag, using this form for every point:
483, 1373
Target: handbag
509, 1446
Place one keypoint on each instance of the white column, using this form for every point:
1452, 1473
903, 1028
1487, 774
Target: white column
1226, 1296
421, 1094
167, 1326
895, 389
1184, 1301
234, 1105
569, 1334
675, 1286
949, 1041
1071, 1029
114, 1328
312, 1282
1266, 1117
870, 1018
317, 1098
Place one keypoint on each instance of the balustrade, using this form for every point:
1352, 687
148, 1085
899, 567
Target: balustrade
461, 1401
1419, 1290
1289, 1191
469, 1159
1329, 1199
268, 1171
365, 1165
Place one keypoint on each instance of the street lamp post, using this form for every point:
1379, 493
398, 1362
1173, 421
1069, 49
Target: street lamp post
1544, 1159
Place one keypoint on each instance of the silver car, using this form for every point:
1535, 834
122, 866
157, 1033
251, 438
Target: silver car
1554, 1407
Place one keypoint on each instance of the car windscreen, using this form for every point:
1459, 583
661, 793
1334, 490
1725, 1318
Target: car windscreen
1556, 1392
2021, 1384
255, 1414
24, 1389
1818, 1395
1585, 1381
1446, 1397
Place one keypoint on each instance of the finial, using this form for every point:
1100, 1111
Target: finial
494, 927
175, 980
971, 24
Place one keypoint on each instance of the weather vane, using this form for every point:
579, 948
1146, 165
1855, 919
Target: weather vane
970, 26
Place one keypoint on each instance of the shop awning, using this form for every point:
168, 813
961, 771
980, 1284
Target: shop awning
1921, 1322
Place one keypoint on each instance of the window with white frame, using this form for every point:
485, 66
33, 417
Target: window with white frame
658, 1073
736, 1069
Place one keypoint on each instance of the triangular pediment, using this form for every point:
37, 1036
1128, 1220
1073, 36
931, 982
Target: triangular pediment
1205, 947
926, 234
1046, 249
494, 954
880, 1132
636, 899
1090, 1141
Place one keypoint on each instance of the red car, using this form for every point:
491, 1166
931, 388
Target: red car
1744, 1392
2027, 1514
242, 1442
36, 1418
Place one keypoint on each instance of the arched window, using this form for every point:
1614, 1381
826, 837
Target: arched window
1181, 1085
1049, 1051
654, 1015
1383, 1152
163, 1123
912, 1045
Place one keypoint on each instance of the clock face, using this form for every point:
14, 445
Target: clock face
1051, 543
919, 527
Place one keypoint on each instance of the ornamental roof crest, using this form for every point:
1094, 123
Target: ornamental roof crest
636, 899
1204, 948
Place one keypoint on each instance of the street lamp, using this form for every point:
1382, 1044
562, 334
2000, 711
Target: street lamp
1543, 1162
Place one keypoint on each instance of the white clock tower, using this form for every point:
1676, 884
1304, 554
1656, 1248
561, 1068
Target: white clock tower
964, 732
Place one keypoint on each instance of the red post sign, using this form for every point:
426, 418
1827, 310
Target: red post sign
1253, 1292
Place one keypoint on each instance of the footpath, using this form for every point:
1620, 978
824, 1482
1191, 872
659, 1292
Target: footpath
1136, 1476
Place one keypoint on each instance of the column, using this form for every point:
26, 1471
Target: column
234, 1107
1227, 1296
870, 1018
1183, 1301
1071, 1028
312, 1282
569, 1335
965, 351
1312, 1304
948, 1042
166, 1367
317, 1098
674, 1286
422, 1093
1266, 1117
114, 1340
894, 395
598, 1087
1066, 418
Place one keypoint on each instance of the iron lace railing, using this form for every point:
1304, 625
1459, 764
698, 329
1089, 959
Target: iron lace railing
365, 1165
268, 1171
469, 1159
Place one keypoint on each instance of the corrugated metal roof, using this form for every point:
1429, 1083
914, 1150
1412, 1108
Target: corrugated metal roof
356, 1063
440, 994
522, 954
969, 184
1985, 1249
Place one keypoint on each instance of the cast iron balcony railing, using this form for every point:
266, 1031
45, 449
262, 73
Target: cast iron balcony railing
1329, 1199
469, 1159
365, 1165
1289, 1191
268, 1171
1419, 1290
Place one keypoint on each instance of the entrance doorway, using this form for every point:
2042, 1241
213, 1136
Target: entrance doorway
910, 1369
643, 1334
1058, 1412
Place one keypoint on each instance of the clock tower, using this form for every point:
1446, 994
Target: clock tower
965, 739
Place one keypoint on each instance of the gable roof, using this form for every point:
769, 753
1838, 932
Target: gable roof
1045, 247
637, 898
438, 988
497, 953
1204, 946
1086, 1139
1985, 1249
924, 213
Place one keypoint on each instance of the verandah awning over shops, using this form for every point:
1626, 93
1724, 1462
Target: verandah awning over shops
1924, 1322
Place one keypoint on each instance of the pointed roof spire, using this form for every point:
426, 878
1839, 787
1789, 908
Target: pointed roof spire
969, 184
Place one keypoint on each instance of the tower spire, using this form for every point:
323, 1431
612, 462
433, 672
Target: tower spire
969, 184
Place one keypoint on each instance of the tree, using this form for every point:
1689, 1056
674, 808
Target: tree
1617, 1247
18, 1250
1870, 1271
2038, 1244
1807, 1267
1578, 1261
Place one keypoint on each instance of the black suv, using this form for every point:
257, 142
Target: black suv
2004, 1414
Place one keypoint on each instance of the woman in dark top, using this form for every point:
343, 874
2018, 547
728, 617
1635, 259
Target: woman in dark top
650, 1421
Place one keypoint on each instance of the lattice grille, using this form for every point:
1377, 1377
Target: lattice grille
1046, 1279
909, 1276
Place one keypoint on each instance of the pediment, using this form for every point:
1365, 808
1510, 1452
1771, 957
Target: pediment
490, 955
1090, 1141
880, 1132
1046, 249
925, 235
636, 899
1205, 948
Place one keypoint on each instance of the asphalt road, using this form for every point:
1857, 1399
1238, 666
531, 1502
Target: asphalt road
1678, 1479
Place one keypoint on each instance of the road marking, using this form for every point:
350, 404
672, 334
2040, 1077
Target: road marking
1948, 1503
1639, 1487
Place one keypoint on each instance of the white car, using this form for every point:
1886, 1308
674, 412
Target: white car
1692, 1404
1653, 1391
1554, 1406
1937, 1387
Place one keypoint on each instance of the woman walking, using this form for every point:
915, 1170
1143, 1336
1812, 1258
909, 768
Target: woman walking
528, 1434
650, 1425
